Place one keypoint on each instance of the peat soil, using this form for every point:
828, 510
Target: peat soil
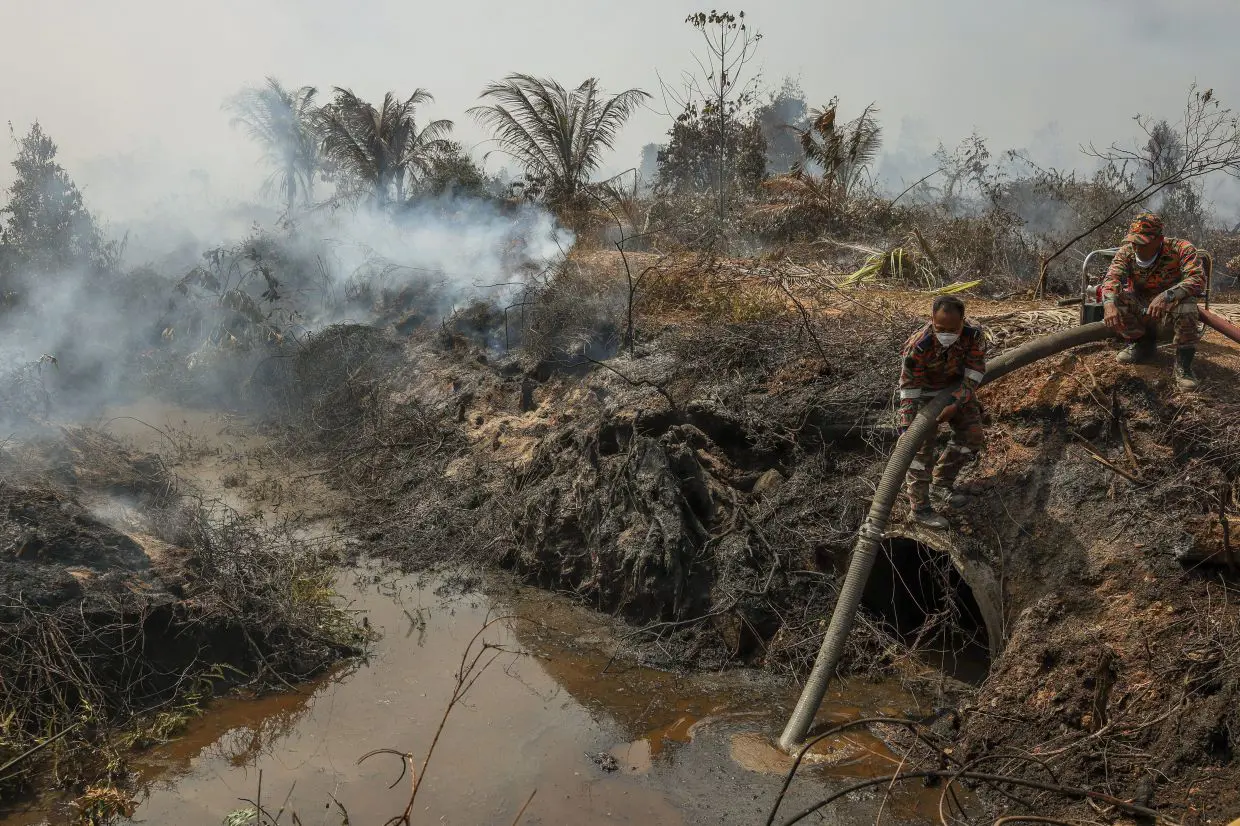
706, 488
112, 635
562, 712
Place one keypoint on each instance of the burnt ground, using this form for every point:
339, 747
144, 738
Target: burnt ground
1122, 665
110, 640
707, 489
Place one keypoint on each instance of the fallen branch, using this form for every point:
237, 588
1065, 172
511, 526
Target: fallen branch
805, 320
33, 749
632, 382
911, 725
1109, 465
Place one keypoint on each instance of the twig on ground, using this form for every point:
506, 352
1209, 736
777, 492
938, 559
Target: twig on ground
632, 382
1065, 791
1097, 457
521, 813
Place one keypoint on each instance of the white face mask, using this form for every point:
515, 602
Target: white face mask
947, 339
1145, 265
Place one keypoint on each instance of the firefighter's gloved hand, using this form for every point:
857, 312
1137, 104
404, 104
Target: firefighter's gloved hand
948, 413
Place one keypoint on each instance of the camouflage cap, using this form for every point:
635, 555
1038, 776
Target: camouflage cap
1145, 228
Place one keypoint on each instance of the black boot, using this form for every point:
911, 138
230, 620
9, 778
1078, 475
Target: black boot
949, 496
1184, 368
1139, 351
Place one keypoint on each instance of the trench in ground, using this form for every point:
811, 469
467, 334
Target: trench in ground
601, 740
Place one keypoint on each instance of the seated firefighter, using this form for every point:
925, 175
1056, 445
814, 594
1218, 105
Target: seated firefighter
946, 349
1153, 284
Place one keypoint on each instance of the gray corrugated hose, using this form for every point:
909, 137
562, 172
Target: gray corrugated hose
870, 535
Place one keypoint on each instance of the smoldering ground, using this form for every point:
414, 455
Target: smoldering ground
79, 341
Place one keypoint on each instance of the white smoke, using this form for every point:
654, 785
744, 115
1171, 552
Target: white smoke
466, 247
115, 337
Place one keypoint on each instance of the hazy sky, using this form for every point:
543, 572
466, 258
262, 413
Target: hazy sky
131, 89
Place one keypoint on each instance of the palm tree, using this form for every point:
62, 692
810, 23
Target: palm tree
281, 121
803, 202
844, 152
378, 150
557, 135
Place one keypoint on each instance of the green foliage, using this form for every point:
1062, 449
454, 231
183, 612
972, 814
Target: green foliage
47, 229
556, 135
453, 172
244, 296
690, 163
379, 152
281, 121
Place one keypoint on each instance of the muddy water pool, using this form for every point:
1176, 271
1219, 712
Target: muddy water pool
592, 738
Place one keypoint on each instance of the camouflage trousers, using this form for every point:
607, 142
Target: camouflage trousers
967, 440
1181, 320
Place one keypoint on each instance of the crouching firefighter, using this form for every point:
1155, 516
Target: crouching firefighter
1154, 283
946, 349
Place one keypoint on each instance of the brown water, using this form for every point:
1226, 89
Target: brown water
554, 715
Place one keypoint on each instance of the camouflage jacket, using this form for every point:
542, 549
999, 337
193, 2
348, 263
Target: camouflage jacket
1177, 267
928, 367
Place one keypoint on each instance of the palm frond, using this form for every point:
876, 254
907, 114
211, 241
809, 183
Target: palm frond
556, 135
281, 121
870, 270
959, 287
523, 120
844, 151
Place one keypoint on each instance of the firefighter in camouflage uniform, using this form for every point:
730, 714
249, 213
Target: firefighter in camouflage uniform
946, 349
1154, 283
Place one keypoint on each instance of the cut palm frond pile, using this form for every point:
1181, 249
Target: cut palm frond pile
1008, 330
905, 265
912, 263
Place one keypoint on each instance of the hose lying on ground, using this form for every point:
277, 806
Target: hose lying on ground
870, 535
1219, 323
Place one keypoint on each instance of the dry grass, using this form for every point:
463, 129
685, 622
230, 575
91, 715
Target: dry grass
256, 607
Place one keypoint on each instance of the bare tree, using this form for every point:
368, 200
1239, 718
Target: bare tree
622, 206
719, 84
1207, 141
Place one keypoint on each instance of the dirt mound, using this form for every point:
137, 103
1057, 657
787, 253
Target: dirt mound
51, 546
81, 459
1108, 503
704, 486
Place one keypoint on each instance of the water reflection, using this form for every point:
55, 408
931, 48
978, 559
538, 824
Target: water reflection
598, 740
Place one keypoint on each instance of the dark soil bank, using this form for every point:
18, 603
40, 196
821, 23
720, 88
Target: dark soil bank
708, 488
101, 635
